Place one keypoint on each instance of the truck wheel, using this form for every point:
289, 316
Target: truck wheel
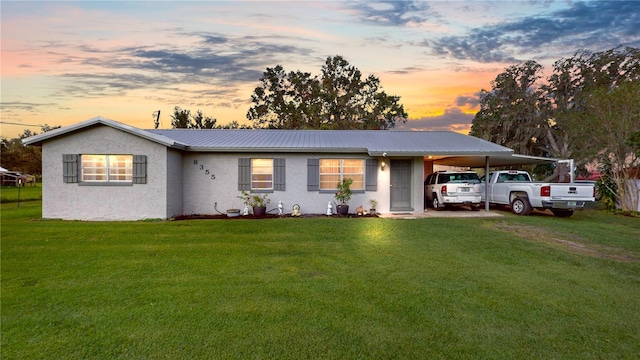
520, 206
562, 213
436, 203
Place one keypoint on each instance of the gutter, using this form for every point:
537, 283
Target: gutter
247, 149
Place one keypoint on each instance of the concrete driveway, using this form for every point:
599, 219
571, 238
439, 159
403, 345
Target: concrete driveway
454, 212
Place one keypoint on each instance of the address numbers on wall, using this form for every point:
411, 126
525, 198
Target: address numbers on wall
205, 170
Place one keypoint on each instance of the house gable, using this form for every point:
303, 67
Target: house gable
67, 196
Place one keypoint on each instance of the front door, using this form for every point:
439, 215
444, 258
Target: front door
400, 185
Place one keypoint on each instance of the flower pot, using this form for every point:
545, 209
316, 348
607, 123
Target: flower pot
342, 210
259, 210
233, 212
372, 211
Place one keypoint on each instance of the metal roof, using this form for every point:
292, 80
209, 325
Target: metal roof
494, 160
372, 142
444, 147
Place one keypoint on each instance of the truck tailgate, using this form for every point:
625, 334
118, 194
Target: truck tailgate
572, 191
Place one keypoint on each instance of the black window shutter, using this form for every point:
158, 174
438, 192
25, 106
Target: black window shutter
313, 174
139, 169
371, 175
70, 168
244, 174
279, 174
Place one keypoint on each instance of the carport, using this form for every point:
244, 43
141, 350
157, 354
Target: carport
14, 178
488, 161
444, 148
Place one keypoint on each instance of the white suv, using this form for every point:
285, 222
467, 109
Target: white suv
452, 188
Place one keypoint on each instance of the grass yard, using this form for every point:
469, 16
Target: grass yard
534, 287
9, 194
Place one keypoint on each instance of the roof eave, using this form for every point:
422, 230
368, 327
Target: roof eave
249, 149
496, 160
438, 153
37, 140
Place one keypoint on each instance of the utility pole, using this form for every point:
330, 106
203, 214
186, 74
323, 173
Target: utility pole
157, 120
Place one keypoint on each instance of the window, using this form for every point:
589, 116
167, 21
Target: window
371, 171
333, 171
484, 178
104, 169
261, 174
107, 168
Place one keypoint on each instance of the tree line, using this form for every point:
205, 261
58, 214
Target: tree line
184, 119
25, 159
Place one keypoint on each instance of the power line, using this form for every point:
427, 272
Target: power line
12, 123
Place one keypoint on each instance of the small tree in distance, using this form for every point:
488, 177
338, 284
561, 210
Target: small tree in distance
183, 119
18, 157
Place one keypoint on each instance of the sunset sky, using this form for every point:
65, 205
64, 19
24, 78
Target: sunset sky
65, 62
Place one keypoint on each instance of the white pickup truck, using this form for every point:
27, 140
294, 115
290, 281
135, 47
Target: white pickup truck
515, 188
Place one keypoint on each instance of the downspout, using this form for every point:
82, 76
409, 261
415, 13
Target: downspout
486, 183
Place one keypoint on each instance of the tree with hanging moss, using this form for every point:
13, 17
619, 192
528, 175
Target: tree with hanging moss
536, 116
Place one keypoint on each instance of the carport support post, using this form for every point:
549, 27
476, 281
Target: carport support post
19, 186
486, 183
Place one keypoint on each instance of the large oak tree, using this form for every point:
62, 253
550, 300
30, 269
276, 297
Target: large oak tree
514, 113
340, 98
536, 117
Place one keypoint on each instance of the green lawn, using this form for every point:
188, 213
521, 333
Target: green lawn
10, 194
534, 287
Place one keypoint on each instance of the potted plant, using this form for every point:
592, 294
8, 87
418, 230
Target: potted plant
257, 202
343, 195
373, 203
